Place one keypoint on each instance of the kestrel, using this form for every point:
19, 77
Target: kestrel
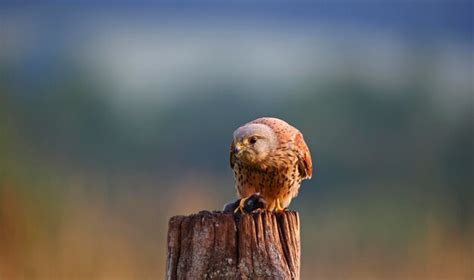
269, 157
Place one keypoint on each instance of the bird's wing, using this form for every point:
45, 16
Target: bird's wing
285, 133
305, 164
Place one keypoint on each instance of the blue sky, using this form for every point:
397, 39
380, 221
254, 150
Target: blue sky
159, 49
414, 17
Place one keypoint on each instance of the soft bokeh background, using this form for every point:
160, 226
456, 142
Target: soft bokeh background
114, 117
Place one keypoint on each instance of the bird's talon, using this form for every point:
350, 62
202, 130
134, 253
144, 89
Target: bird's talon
251, 203
241, 207
278, 207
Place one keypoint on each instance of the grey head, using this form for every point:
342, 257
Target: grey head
253, 143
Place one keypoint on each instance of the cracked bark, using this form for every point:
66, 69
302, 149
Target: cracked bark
216, 245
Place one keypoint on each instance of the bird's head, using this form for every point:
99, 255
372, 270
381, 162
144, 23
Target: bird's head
253, 143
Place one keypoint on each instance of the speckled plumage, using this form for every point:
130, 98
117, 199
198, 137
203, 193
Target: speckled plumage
273, 167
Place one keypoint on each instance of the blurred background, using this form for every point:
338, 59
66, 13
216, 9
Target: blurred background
116, 116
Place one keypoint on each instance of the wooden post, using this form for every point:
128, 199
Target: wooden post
216, 245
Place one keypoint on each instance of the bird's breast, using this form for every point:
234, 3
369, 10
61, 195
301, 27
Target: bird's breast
269, 182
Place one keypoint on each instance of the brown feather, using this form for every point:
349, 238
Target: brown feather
305, 164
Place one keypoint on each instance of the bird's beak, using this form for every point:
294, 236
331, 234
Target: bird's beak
238, 147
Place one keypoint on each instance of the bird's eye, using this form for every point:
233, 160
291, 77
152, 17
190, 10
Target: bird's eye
253, 140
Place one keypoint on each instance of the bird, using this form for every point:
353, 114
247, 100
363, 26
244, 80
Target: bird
269, 159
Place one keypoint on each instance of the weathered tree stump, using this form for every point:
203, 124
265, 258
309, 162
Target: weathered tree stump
216, 245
